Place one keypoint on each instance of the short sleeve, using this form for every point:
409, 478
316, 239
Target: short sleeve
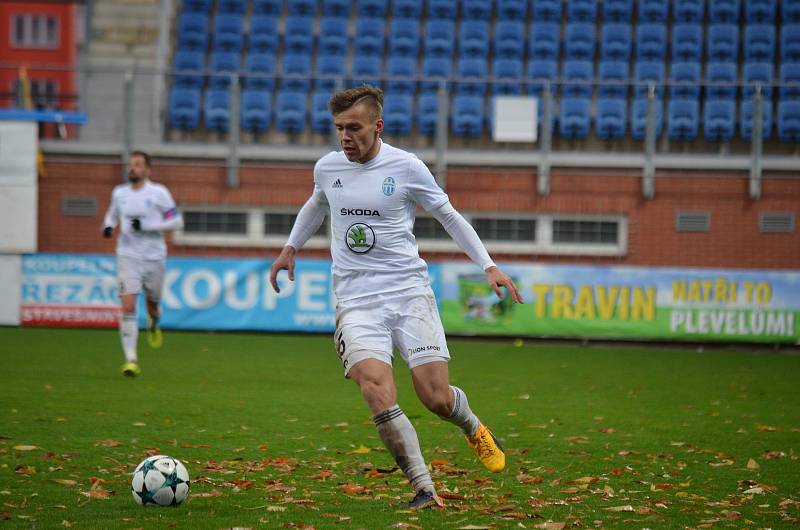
423, 187
318, 195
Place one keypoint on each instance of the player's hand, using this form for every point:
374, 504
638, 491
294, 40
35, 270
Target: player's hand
497, 279
108, 232
136, 224
285, 261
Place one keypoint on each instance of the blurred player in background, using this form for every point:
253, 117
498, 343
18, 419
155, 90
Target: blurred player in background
143, 210
371, 191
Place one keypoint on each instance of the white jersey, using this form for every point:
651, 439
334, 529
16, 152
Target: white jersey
151, 204
372, 211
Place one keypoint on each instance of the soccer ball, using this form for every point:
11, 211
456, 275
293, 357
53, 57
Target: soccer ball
160, 481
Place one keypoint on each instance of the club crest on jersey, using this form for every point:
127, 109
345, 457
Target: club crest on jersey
360, 238
388, 186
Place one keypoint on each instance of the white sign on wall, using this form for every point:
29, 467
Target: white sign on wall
18, 186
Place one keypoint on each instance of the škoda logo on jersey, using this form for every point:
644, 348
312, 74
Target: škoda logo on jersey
360, 238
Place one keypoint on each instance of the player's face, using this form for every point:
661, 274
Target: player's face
137, 169
358, 132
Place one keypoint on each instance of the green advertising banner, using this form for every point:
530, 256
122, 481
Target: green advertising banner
626, 303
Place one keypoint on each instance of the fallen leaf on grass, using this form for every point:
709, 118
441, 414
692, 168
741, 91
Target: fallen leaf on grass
474, 527
770, 455
584, 481
578, 439
66, 482
108, 442
551, 526
322, 475
26, 447
406, 525
362, 449
276, 508
767, 428
25, 470
354, 489
451, 496
752, 464
212, 493
625, 508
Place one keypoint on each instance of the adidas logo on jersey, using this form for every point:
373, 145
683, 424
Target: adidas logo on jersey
337, 184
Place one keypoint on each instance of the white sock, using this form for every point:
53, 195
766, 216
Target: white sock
462, 415
129, 334
401, 440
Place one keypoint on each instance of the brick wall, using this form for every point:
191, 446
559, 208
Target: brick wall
733, 241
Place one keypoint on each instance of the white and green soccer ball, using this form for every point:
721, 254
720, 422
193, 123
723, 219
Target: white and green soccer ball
160, 481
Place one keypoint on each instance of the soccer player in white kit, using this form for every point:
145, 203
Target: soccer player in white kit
143, 210
371, 191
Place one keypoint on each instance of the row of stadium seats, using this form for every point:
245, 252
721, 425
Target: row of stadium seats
510, 38
755, 11
469, 117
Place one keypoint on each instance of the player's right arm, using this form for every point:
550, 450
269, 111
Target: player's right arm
111, 219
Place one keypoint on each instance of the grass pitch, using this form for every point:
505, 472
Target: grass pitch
274, 437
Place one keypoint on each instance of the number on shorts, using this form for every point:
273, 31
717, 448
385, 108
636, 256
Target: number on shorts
340, 346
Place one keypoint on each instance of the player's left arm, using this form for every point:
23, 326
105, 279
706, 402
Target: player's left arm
171, 218
467, 238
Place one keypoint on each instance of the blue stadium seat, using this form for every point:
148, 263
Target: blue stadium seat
336, 8
639, 118
759, 42
509, 39
295, 73
726, 11
321, 119
471, 76
303, 8
790, 42
259, 72
759, 11
688, 10
687, 42
544, 40
333, 36
193, 31
256, 110
329, 72
183, 111
645, 73
746, 110
222, 66
579, 41
228, 33
546, 10
507, 76
618, 10
365, 69
723, 42
476, 9
473, 38
427, 113
267, 7
683, 119
442, 9
719, 120
369, 36
581, 10
217, 109
233, 7
512, 10
404, 37
467, 116
614, 79
721, 80
573, 118
684, 80
398, 113
291, 112
401, 73
196, 6
372, 8
651, 41
790, 11
789, 76
434, 71
440, 36
754, 73
789, 121
577, 76
263, 36
189, 68
539, 73
298, 35
407, 8
615, 41
653, 11
610, 118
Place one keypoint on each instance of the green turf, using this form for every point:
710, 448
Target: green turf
274, 437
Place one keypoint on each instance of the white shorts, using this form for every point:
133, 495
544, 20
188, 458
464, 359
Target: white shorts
410, 323
135, 275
